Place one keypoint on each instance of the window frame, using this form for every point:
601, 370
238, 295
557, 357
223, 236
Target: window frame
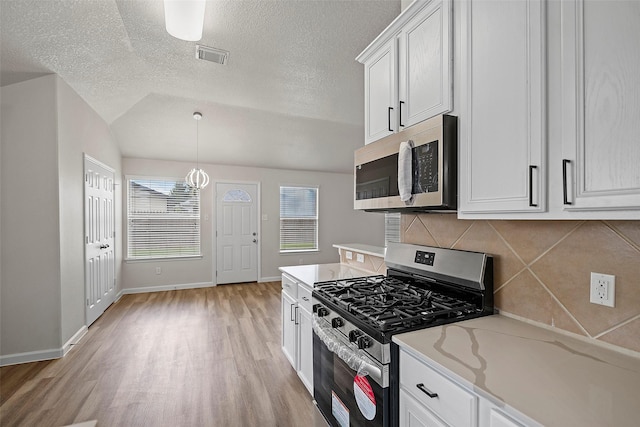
127, 247
317, 219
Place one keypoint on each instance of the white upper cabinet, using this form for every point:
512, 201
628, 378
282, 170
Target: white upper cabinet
502, 106
408, 69
380, 94
600, 105
547, 104
424, 64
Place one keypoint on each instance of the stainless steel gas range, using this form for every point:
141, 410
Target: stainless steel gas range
355, 363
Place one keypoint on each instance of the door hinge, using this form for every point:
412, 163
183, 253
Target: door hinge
87, 301
86, 240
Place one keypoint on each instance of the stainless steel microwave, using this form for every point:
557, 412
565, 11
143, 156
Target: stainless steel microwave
433, 169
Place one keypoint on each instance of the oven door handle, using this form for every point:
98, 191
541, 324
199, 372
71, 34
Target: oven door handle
356, 360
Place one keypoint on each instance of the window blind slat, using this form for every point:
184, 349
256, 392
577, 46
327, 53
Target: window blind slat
163, 219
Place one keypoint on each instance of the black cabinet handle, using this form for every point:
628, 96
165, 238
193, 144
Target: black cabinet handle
295, 315
531, 169
426, 391
401, 104
565, 162
389, 118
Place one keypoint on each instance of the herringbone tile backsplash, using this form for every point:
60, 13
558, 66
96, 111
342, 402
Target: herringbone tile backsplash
542, 269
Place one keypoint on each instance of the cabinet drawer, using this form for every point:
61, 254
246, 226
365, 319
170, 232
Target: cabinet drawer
289, 286
304, 298
455, 405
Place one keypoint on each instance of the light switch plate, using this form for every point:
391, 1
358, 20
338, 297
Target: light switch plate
359, 257
348, 254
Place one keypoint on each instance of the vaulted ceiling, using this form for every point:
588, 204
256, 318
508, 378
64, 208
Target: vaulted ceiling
291, 95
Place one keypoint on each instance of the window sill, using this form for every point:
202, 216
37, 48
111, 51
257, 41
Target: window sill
299, 251
178, 258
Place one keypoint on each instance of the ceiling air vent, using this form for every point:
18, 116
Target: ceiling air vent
212, 54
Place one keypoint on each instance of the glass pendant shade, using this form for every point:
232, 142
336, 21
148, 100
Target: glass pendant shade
184, 19
197, 179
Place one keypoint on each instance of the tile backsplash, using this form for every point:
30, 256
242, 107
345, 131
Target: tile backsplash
542, 269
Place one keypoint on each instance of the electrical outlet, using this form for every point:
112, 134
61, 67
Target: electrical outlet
359, 257
349, 254
603, 289
158, 270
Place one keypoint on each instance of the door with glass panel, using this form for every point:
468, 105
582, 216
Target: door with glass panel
237, 237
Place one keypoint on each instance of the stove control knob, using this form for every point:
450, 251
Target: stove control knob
353, 335
321, 312
364, 342
336, 322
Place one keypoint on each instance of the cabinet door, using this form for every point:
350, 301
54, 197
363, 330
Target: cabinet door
289, 329
503, 106
305, 341
413, 414
424, 66
600, 108
380, 93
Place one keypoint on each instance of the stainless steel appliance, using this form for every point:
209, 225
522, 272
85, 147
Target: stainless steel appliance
432, 171
355, 363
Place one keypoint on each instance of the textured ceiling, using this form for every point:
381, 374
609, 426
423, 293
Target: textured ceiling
291, 95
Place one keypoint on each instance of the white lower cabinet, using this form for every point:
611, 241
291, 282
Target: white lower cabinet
297, 333
305, 337
429, 397
289, 328
414, 414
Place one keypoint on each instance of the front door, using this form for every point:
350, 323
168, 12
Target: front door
99, 231
236, 233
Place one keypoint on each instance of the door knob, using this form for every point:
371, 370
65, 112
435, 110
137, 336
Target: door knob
255, 240
254, 233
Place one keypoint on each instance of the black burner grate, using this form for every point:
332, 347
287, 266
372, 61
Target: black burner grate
392, 305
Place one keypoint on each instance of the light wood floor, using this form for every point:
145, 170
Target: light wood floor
197, 357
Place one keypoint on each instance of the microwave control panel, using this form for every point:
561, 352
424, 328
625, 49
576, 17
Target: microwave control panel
425, 168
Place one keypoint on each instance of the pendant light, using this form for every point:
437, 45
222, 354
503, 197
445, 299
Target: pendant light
197, 178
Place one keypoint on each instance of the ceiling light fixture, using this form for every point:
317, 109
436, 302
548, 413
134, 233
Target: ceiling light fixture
197, 178
184, 19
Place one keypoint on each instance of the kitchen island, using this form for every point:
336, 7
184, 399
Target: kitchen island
528, 372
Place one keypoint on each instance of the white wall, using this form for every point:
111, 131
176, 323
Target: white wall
80, 130
338, 223
30, 299
46, 127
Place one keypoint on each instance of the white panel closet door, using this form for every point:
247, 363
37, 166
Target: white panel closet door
99, 230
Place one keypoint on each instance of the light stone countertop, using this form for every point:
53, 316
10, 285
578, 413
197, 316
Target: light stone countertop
310, 274
378, 251
555, 379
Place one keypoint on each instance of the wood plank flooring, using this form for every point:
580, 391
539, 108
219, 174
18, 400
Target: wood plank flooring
197, 357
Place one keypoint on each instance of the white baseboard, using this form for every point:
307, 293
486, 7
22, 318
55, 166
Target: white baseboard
270, 279
30, 356
40, 355
162, 288
75, 339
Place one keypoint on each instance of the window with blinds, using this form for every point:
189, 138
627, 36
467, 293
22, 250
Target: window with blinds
298, 219
163, 219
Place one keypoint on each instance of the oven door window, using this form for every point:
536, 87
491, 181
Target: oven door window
344, 398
